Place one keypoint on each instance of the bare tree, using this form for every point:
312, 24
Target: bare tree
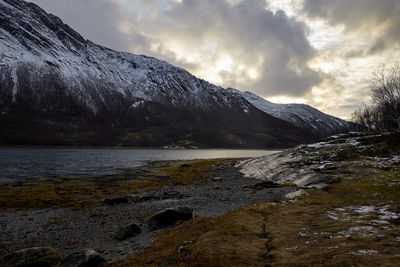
385, 88
384, 112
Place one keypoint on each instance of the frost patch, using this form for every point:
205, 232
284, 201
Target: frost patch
377, 222
363, 252
343, 216
352, 213
365, 209
374, 217
395, 159
363, 231
387, 215
302, 234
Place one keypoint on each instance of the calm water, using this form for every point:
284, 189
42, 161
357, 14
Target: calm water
33, 163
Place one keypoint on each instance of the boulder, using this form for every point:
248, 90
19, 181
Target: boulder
173, 194
263, 185
169, 217
32, 257
296, 194
83, 258
116, 201
218, 179
185, 165
140, 199
128, 231
169, 194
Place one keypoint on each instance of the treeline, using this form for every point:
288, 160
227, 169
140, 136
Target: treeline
384, 112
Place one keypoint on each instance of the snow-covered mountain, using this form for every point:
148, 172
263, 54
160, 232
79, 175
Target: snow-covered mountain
44, 45
301, 115
56, 87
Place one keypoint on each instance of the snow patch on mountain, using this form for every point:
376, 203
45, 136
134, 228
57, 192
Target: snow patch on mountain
43, 40
39, 51
301, 115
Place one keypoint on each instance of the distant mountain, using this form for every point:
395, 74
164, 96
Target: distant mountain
301, 115
57, 88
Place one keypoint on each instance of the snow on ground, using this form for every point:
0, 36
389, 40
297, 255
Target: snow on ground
363, 252
370, 219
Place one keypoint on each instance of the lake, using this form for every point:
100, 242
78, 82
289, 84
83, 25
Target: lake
18, 164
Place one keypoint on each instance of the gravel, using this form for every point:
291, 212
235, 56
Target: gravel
73, 230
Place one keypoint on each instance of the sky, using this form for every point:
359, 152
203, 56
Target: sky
318, 52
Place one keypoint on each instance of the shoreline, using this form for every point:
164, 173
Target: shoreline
64, 214
336, 203
21, 164
137, 147
123, 175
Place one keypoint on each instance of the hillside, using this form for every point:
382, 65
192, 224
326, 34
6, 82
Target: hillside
301, 115
57, 88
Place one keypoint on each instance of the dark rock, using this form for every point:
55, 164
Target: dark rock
83, 258
185, 165
217, 179
395, 221
170, 217
145, 198
170, 193
262, 185
173, 194
128, 231
115, 201
32, 257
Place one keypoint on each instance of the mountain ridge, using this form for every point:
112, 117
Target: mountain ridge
301, 115
55, 84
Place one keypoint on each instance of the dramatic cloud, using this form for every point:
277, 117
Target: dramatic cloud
319, 52
233, 43
379, 19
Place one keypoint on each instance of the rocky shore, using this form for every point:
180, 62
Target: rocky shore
332, 203
222, 188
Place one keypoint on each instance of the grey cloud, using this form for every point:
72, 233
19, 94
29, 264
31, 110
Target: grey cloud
98, 21
380, 18
376, 47
245, 30
250, 34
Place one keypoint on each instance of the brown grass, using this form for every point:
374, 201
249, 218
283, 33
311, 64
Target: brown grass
289, 233
235, 237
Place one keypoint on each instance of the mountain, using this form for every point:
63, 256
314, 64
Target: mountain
301, 115
57, 88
